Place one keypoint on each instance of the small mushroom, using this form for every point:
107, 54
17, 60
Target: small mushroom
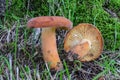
48, 37
84, 42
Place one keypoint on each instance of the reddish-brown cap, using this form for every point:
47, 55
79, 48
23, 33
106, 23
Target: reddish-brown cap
49, 21
85, 40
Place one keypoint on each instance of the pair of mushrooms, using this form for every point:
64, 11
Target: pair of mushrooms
83, 42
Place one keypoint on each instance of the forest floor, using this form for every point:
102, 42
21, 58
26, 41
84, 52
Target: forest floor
20, 47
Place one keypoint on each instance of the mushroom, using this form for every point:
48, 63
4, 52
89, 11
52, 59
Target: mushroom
48, 37
83, 42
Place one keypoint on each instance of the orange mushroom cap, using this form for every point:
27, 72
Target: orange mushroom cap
49, 21
84, 41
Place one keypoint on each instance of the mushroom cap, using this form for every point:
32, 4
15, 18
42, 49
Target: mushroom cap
49, 21
85, 40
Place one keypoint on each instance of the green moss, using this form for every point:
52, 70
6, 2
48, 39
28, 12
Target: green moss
114, 5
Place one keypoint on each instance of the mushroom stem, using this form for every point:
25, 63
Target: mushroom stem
49, 48
81, 50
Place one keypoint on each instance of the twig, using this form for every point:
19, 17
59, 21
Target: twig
113, 14
38, 75
49, 71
